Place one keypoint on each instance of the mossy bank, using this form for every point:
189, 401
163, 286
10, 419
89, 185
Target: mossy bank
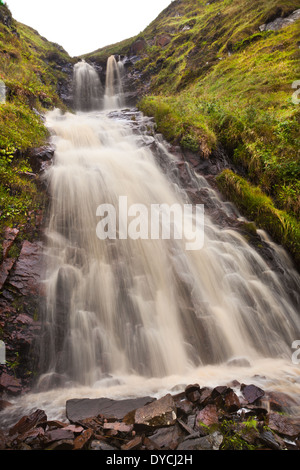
225, 73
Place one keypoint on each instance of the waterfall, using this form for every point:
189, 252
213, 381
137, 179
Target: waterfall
88, 90
145, 307
113, 97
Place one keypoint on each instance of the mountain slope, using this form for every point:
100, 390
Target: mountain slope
221, 73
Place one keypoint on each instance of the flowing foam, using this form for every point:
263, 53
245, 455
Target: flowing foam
88, 90
113, 97
135, 317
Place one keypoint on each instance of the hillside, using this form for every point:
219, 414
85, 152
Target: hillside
221, 74
35, 72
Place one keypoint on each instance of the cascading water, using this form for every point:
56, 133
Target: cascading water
128, 316
113, 97
88, 90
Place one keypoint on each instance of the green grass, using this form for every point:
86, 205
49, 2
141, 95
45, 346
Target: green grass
26, 68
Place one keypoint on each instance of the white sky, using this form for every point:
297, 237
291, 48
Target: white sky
82, 26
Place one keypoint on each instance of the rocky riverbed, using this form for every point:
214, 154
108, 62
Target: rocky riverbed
229, 417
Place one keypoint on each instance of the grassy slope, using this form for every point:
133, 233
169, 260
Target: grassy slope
26, 67
222, 80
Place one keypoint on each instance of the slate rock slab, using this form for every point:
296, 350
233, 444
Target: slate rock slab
79, 409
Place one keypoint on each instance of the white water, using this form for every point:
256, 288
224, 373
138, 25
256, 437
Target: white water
114, 95
137, 317
88, 90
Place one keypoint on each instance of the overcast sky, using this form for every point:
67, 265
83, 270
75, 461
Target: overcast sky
82, 26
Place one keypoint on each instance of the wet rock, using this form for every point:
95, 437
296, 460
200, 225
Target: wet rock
80, 409
205, 395
4, 404
231, 401
25, 276
82, 441
159, 413
267, 438
10, 234
238, 362
66, 444
10, 384
101, 445
119, 427
251, 393
192, 393
207, 416
133, 444
26, 423
5, 269
210, 442
280, 401
283, 425
168, 438
59, 435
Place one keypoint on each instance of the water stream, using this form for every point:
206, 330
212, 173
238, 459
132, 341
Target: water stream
129, 317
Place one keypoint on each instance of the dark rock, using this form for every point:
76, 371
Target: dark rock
205, 395
5, 269
4, 404
267, 438
210, 442
10, 384
192, 393
283, 425
80, 409
119, 427
59, 435
133, 444
138, 46
251, 393
26, 423
100, 445
231, 401
10, 234
238, 362
168, 438
208, 415
280, 401
159, 413
26, 276
65, 444
82, 441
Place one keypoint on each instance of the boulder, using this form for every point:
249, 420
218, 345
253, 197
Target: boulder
210, 442
283, 425
208, 415
251, 393
159, 413
80, 409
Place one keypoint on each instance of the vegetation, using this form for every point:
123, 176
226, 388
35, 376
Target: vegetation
30, 71
220, 79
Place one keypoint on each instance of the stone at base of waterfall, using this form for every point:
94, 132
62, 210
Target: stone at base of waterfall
210, 442
159, 413
79, 409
